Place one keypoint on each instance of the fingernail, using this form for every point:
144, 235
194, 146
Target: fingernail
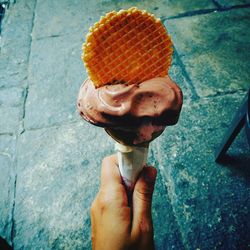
149, 174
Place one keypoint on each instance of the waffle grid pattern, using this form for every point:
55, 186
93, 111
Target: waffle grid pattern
129, 46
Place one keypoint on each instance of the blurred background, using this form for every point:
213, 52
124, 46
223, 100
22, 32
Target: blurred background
50, 159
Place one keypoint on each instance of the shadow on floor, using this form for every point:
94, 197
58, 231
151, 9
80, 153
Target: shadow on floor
239, 164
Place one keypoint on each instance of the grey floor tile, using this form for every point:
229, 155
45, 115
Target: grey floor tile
15, 43
214, 49
7, 182
232, 3
210, 200
58, 177
52, 17
55, 76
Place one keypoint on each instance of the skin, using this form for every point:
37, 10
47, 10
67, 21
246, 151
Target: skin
115, 225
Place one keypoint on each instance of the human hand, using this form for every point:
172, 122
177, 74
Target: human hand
115, 225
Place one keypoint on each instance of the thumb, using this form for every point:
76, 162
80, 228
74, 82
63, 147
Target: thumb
142, 200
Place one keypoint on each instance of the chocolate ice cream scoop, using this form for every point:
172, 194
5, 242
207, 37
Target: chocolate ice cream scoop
132, 114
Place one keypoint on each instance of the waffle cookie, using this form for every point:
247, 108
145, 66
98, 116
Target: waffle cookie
129, 46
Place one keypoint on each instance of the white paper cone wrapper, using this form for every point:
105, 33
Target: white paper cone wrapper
131, 161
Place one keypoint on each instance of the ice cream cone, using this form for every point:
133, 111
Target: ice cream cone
131, 160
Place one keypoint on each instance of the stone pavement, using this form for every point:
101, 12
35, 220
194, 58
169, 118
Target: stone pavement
50, 159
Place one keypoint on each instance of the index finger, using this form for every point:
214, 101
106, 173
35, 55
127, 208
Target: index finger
110, 172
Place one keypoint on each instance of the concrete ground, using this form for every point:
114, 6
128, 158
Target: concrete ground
50, 158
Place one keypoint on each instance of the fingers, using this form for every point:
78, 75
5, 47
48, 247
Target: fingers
142, 200
110, 174
112, 192
110, 208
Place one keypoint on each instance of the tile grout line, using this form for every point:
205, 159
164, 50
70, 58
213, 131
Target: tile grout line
216, 4
3, 6
190, 14
55, 126
2, 17
13, 225
12, 175
194, 96
7, 133
226, 93
26, 92
218, 8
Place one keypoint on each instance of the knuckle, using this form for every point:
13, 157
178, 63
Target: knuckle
107, 198
112, 195
119, 195
144, 193
102, 201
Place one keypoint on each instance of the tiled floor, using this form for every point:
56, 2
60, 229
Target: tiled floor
49, 164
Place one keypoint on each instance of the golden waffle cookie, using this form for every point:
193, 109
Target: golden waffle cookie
129, 46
